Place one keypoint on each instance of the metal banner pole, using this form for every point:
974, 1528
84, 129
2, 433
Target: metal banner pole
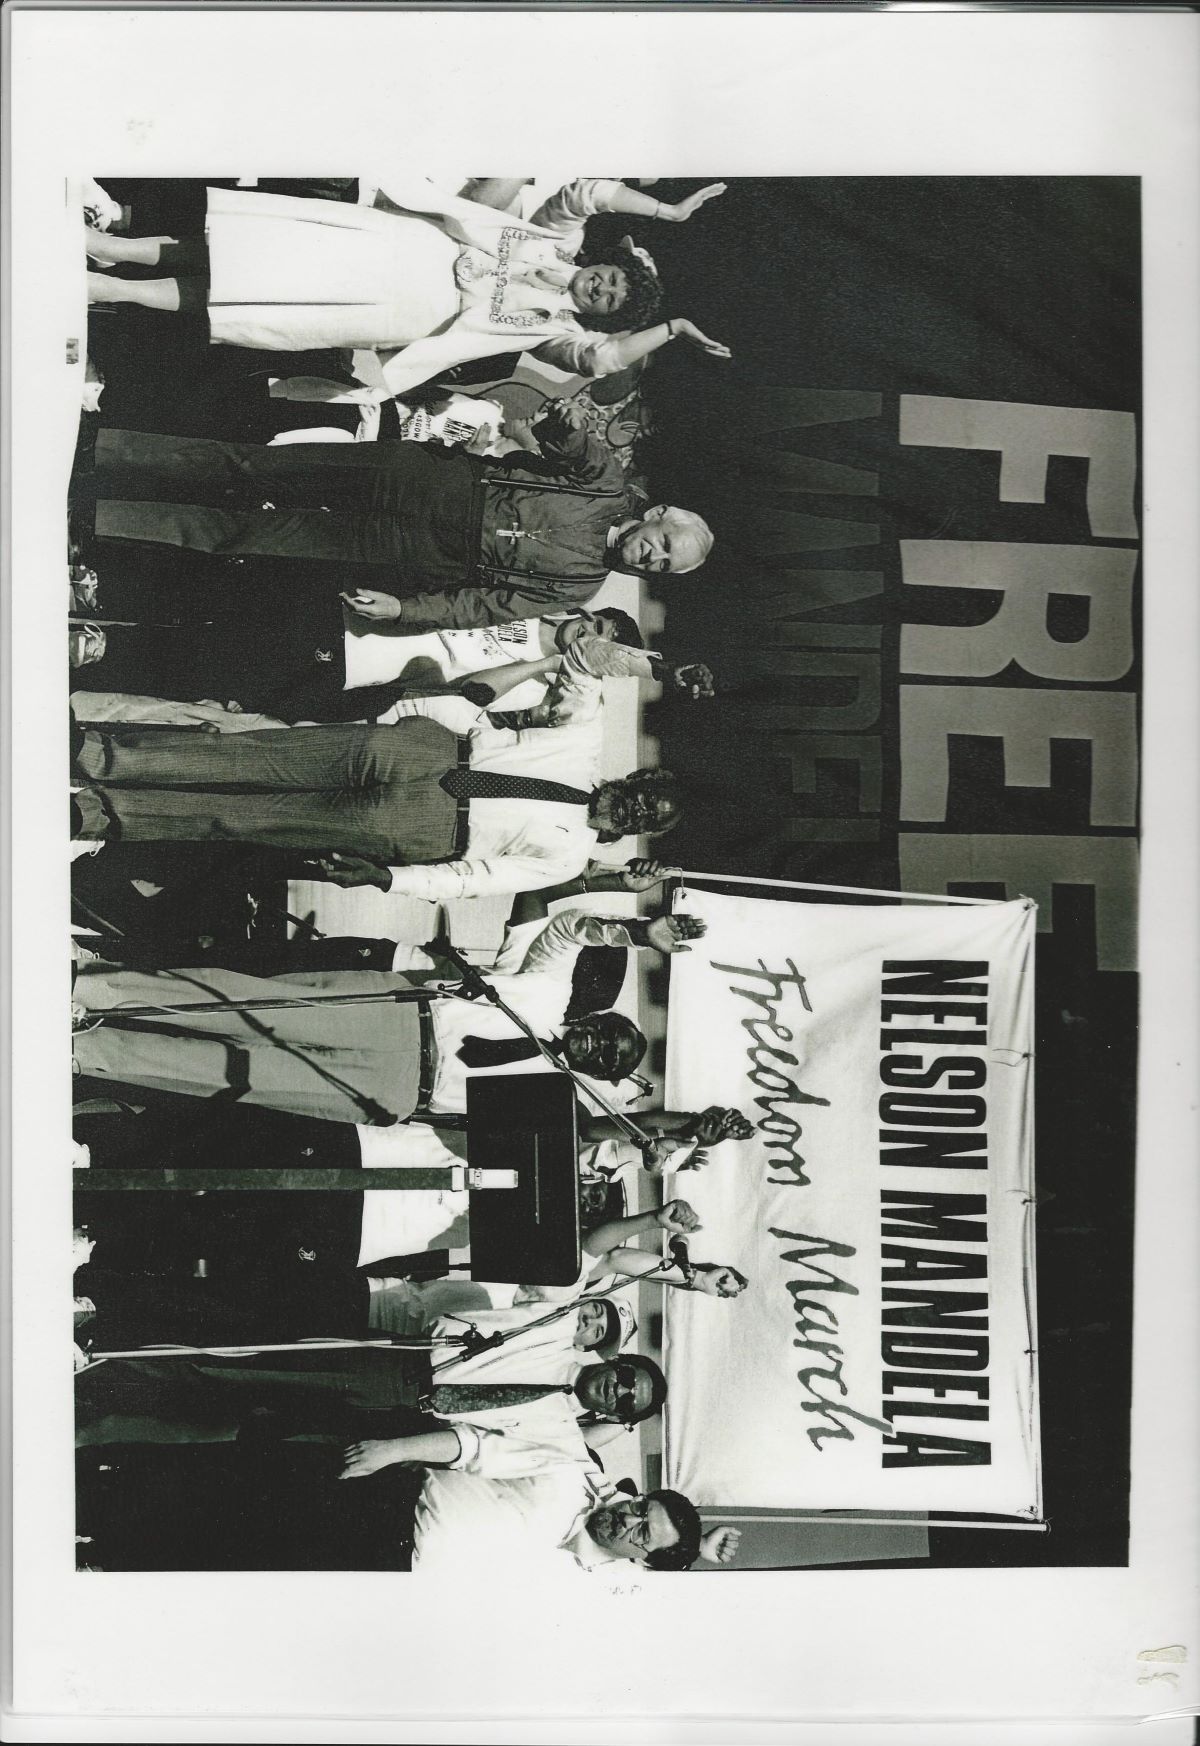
848, 890
916, 1520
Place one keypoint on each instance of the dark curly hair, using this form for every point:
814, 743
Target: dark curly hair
625, 629
643, 303
685, 1519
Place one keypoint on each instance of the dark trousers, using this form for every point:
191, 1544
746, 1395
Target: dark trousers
356, 503
366, 791
347, 1394
303, 1301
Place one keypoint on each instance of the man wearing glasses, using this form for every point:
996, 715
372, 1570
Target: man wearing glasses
514, 1406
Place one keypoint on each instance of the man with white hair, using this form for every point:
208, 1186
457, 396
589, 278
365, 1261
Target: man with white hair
452, 538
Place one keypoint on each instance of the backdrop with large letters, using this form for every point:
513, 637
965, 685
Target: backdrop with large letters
921, 467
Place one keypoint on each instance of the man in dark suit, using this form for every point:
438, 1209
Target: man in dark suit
451, 539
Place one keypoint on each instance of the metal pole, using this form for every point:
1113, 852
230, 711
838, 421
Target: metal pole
90, 1181
816, 1518
399, 1343
273, 1005
849, 890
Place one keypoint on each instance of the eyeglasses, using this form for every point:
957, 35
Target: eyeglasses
625, 1378
639, 1508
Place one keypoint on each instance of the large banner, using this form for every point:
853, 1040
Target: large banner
884, 1353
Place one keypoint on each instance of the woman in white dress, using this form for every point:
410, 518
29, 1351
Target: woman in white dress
424, 277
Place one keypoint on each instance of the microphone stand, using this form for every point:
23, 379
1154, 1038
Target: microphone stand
477, 983
472, 1342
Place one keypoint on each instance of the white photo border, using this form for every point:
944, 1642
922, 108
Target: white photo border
276, 90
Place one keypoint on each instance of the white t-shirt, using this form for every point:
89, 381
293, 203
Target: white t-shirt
375, 659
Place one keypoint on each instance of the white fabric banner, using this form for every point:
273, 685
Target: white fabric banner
883, 1354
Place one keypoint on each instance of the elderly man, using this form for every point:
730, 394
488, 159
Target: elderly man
453, 540
444, 803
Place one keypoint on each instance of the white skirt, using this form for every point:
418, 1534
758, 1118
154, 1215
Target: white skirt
303, 275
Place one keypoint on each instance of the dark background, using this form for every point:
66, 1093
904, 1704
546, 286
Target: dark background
1021, 289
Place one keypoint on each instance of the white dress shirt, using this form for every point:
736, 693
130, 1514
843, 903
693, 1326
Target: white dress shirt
516, 1441
534, 977
469, 1522
517, 845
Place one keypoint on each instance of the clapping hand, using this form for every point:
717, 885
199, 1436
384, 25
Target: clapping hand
720, 1545
642, 875
670, 933
371, 603
677, 1218
682, 210
558, 419
716, 1124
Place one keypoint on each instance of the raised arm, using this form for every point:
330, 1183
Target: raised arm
603, 355
583, 198
636, 875
496, 191
621, 198
676, 1218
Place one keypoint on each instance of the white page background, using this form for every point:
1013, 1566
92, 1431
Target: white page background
192, 92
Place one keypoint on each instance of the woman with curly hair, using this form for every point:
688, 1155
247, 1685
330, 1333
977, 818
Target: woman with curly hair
423, 277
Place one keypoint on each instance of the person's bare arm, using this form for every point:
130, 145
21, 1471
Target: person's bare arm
627, 349
636, 875
498, 192
427, 1448
676, 1218
621, 198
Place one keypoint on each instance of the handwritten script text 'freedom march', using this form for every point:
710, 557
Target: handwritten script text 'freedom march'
934, 1341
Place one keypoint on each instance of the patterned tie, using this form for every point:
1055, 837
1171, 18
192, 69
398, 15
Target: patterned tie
474, 1397
483, 785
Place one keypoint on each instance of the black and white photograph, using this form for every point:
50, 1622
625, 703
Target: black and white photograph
606, 721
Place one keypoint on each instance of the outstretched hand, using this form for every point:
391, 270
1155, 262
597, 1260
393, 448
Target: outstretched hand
685, 329
670, 933
681, 210
347, 870
367, 1457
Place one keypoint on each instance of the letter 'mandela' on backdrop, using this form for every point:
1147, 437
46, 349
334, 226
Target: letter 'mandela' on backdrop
934, 1246
883, 1355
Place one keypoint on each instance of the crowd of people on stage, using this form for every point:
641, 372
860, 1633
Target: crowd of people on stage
366, 649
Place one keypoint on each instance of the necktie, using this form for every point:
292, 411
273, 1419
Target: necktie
473, 1397
480, 1052
483, 785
